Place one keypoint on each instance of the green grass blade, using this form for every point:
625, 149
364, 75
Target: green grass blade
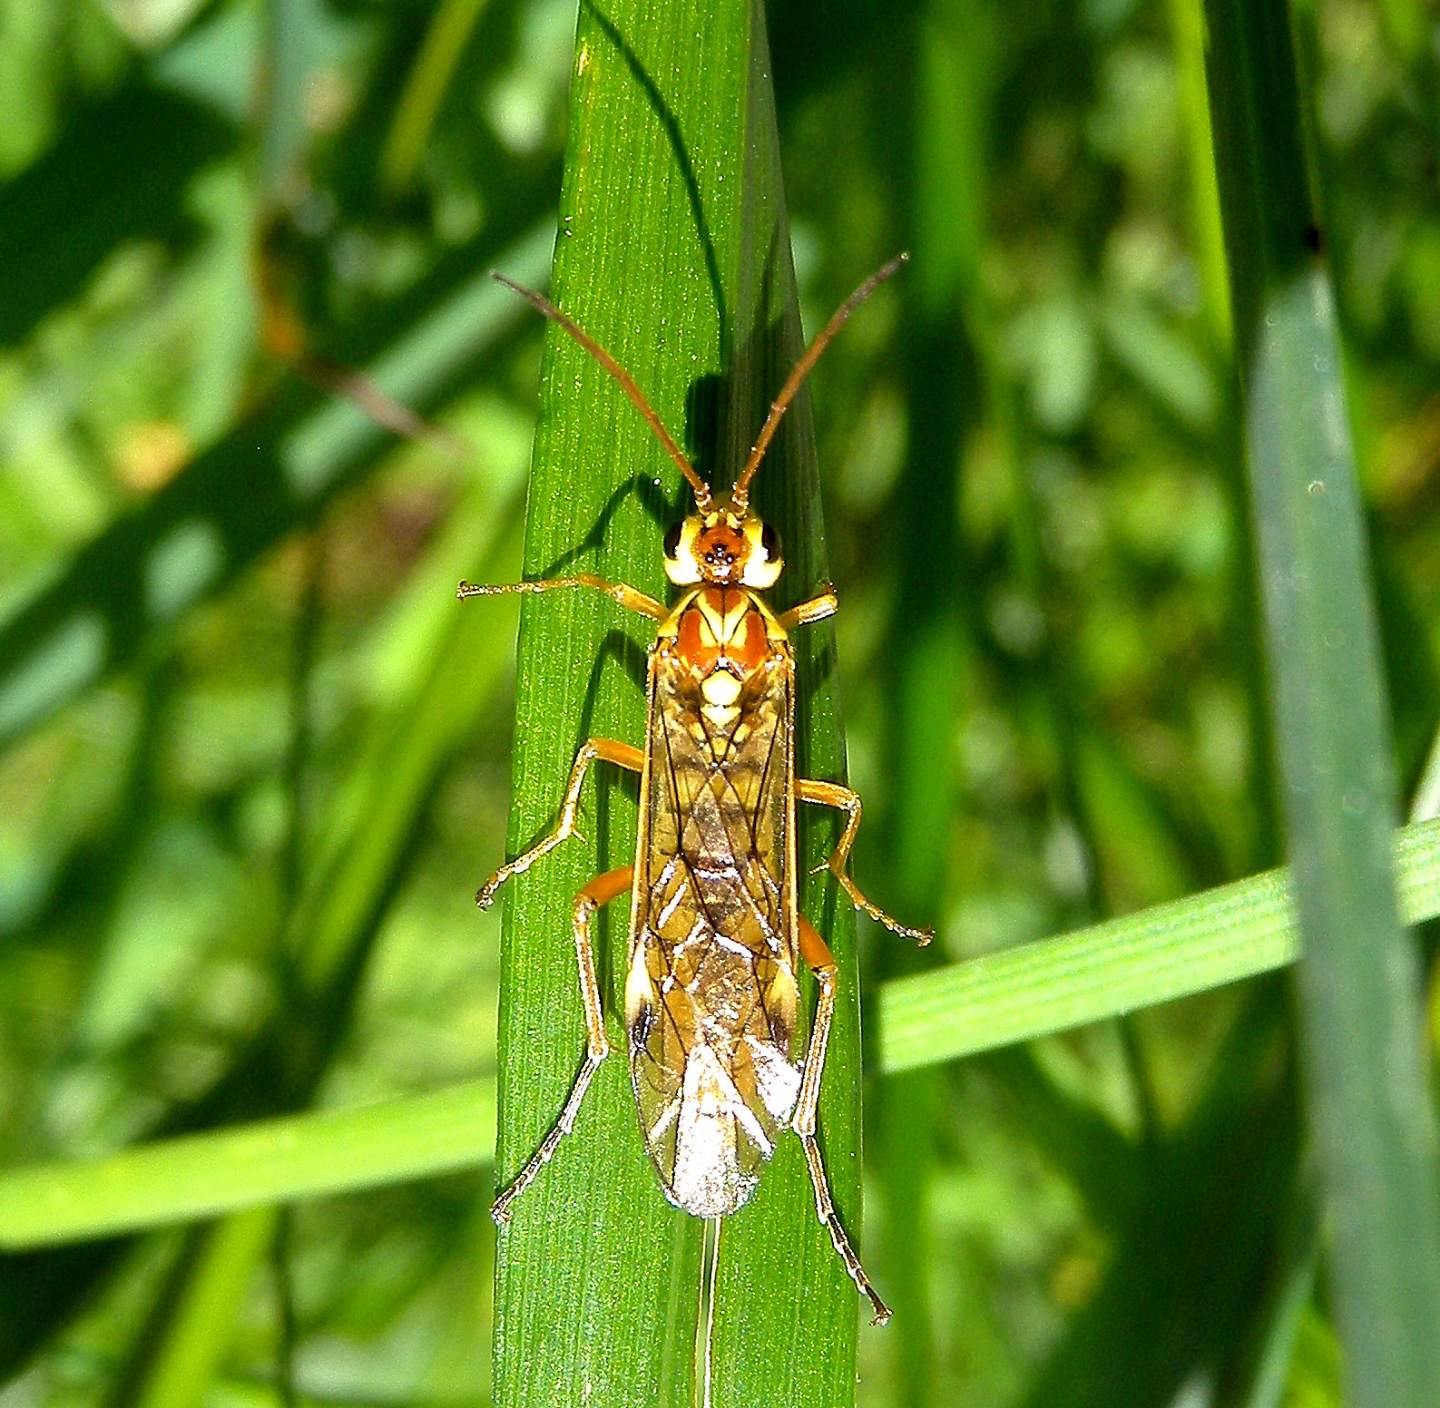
1169, 951
939, 180
425, 89
193, 1318
1359, 1003
1275, 1351
1187, 28
254, 1165
674, 254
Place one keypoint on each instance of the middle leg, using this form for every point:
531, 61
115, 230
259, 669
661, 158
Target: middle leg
845, 799
608, 750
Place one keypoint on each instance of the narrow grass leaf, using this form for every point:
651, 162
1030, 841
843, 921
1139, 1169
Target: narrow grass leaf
674, 254
1358, 982
939, 133
960, 1010
1169, 951
425, 88
270, 1161
193, 1317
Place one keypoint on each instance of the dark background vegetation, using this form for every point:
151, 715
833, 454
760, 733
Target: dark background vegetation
222, 588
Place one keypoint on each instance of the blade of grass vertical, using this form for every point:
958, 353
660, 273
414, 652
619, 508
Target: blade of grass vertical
181, 1343
1359, 1003
673, 240
425, 89
1207, 240
776, 1253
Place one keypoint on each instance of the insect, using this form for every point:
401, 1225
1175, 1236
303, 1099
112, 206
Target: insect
716, 933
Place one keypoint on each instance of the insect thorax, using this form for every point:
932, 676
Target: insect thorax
723, 640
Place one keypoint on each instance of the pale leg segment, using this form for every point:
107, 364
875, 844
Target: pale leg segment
629, 597
805, 613
833, 794
608, 750
599, 891
815, 952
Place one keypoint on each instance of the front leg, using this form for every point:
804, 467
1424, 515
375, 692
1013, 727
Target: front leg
833, 794
818, 608
628, 597
607, 750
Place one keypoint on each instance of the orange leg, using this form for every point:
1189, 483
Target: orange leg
817, 954
834, 794
601, 890
607, 750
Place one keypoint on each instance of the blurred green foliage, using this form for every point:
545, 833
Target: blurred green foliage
257, 760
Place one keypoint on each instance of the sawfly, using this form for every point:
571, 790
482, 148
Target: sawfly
716, 933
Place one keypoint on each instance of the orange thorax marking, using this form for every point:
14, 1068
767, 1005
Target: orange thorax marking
721, 628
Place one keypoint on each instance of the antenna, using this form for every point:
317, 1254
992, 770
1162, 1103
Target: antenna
740, 494
627, 383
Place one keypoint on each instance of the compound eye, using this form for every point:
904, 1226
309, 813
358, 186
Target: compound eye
672, 539
770, 541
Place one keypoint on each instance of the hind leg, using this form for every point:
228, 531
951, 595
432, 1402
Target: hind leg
817, 954
599, 891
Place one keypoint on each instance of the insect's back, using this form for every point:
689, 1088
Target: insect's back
711, 994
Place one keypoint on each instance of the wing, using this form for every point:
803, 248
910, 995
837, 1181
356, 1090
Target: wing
711, 994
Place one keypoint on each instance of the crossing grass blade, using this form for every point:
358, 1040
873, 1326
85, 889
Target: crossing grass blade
254, 1165
1162, 954
674, 254
1169, 951
1359, 1007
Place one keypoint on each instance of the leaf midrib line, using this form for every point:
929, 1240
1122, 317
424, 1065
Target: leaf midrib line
1171, 950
